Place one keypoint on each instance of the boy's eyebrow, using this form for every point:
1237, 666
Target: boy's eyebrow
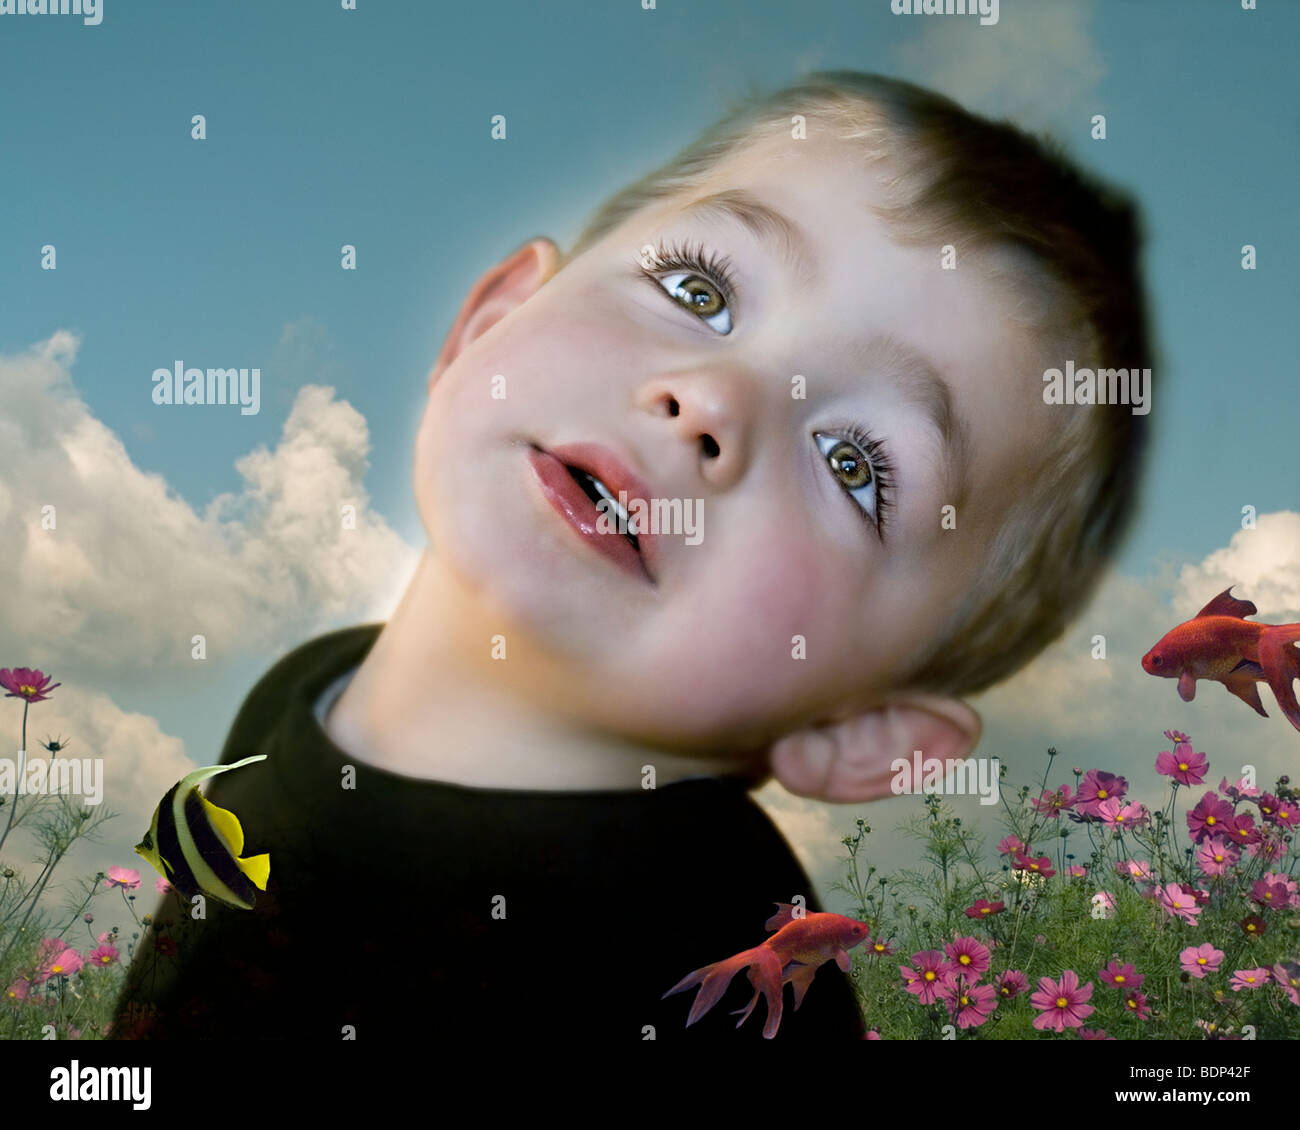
765, 222
924, 388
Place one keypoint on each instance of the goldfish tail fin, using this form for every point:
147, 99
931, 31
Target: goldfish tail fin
713, 981
1280, 660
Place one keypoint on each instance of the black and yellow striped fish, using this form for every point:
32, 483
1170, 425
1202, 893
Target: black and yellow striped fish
195, 845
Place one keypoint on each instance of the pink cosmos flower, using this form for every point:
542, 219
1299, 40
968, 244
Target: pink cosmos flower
1076, 871
1061, 1004
1183, 765
1055, 802
1268, 806
1216, 855
1253, 925
1208, 817
20, 989
123, 877
1268, 845
929, 975
1288, 976
984, 909
968, 956
1040, 866
1009, 844
1287, 814
1094, 1034
104, 955
1178, 902
1121, 976
26, 683
1115, 814
882, 947
1097, 786
162, 886
1271, 895
1200, 960
1011, 983
1238, 791
969, 1005
1136, 1003
1240, 829
1293, 897
1133, 869
1250, 979
63, 964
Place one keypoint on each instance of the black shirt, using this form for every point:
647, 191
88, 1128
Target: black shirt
405, 906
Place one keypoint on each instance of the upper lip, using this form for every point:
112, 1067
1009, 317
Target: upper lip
613, 471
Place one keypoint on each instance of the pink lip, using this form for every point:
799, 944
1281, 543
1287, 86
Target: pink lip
572, 503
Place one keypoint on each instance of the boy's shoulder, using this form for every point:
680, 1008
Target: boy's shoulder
305, 670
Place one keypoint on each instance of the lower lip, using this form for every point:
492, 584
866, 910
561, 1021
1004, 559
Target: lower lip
571, 503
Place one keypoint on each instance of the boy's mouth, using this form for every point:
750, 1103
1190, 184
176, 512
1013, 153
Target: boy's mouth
599, 477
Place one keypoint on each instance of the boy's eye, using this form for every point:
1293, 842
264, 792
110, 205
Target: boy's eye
866, 476
698, 280
700, 296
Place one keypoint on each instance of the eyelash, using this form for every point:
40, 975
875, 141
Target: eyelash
718, 270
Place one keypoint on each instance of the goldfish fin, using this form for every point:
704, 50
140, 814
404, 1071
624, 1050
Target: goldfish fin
1281, 663
783, 916
713, 981
843, 960
801, 978
1187, 686
1241, 682
1227, 605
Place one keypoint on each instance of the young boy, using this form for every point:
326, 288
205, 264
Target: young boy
518, 809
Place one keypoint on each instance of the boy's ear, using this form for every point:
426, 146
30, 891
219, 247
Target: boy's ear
849, 762
499, 290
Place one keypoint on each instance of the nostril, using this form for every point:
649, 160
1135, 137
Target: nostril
711, 448
673, 407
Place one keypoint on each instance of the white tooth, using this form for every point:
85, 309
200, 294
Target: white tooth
604, 492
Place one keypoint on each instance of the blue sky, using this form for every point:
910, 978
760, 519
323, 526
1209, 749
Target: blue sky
371, 127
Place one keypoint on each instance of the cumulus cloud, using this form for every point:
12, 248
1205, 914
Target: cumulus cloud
1262, 563
1038, 64
131, 571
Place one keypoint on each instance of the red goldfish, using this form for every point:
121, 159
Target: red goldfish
800, 945
1220, 644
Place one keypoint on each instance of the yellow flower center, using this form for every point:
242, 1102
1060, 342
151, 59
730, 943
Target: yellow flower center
1284, 815
1250, 928
965, 1000
56, 969
1061, 1002
1209, 819
1119, 978
929, 975
1218, 859
985, 909
1131, 1004
1101, 793
1183, 766
1033, 867
1249, 978
1202, 960
25, 689
964, 959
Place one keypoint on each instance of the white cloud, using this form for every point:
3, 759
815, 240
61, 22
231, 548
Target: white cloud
132, 571
1262, 564
1037, 65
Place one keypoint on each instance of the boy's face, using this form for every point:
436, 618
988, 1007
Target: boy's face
707, 657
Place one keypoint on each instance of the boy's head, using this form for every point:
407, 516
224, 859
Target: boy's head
892, 516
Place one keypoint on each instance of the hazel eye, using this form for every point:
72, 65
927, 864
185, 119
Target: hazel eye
700, 297
848, 462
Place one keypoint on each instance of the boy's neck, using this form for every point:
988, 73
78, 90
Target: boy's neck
428, 701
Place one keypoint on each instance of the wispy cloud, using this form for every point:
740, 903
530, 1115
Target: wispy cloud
1038, 64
